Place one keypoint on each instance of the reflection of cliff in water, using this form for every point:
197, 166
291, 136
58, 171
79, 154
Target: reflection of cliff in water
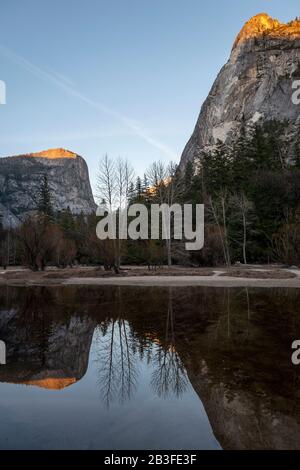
233, 345
241, 369
45, 346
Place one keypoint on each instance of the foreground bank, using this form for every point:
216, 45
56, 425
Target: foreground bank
250, 276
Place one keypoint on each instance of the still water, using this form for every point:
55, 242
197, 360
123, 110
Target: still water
149, 368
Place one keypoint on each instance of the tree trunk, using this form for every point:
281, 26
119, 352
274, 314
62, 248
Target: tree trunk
245, 238
169, 252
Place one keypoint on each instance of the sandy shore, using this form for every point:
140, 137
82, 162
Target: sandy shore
181, 281
242, 276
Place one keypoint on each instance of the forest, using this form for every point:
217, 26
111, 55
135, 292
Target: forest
251, 193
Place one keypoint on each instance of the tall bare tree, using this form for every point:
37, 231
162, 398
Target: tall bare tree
106, 182
166, 188
114, 179
218, 207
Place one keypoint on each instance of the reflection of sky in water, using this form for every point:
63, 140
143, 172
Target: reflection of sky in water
117, 358
79, 416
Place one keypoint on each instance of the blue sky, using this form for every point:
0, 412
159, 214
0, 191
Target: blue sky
123, 77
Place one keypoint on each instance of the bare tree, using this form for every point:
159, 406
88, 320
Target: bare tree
124, 179
244, 206
114, 179
165, 188
117, 362
169, 375
39, 241
106, 182
218, 208
157, 176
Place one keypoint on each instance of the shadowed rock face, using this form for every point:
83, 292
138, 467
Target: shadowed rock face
238, 360
250, 402
244, 420
54, 359
42, 348
254, 86
21, 176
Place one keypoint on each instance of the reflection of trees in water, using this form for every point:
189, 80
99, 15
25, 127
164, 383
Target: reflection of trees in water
169, 375
120, 346
234, 319
33, 321
116, 361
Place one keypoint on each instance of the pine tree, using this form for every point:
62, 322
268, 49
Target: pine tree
45, 199
138, 188
217, 168
67, 222
242, 160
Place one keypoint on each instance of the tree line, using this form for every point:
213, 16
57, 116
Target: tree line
251, 192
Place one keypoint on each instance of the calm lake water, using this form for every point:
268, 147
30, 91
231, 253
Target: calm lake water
149, 368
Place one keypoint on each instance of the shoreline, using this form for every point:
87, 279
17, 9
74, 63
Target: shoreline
255, 276
185, 281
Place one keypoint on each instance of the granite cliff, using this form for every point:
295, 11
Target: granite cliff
21, 176
255, 85
45, 347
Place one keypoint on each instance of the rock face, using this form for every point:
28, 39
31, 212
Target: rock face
44, 346
21, 176
255, 85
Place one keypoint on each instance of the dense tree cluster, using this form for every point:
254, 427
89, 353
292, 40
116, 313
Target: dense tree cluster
251, 192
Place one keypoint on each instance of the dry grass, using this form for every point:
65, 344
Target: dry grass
172, 271
128, 271
256, 274
92, 272
54, 274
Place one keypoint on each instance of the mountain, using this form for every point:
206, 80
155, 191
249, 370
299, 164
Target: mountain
21, 176
45, 351
255, 85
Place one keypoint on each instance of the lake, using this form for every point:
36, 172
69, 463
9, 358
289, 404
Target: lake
149, 368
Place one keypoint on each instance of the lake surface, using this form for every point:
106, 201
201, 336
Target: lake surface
149, 368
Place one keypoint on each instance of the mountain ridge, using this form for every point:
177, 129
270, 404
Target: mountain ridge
21, 176
51, 154
263, 24
255, 85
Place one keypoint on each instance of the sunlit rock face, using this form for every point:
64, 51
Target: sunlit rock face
53, 154
263, 25
254, 86
21, 176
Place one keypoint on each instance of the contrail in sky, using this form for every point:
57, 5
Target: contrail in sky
65, 84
